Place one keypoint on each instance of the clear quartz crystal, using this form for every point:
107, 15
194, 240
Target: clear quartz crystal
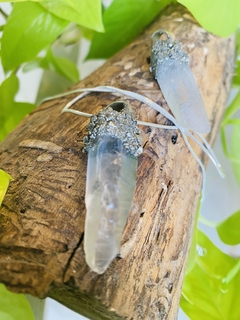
111, 178
169, 64
182, 95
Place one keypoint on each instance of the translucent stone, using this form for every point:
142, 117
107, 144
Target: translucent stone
182, 95
111, 179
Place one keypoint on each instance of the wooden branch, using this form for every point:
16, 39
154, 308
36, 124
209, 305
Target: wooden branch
42, 217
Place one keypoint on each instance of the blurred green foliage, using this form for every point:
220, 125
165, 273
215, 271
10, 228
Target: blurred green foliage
231, 119
12, 112
211, 289
123, 20
220, 17
228, 230
28, 37
28, 30
14, 306
5, 178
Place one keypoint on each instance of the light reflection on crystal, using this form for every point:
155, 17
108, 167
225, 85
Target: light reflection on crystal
111, 177
182, 95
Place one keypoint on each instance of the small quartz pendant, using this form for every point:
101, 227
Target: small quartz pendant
169, 64
113, 144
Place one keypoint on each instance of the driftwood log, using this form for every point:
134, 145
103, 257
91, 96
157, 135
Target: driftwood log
43, 213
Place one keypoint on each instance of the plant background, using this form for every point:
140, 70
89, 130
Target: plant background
211, 286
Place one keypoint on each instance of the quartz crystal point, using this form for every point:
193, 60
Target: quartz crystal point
169, 64
112, 145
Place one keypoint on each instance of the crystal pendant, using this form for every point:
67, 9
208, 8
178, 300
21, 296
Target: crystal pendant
113, 145
169, 64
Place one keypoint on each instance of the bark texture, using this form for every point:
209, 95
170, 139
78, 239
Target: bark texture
43, 213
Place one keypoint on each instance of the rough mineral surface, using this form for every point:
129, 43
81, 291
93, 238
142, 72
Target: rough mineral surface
116, 120
169, 64
111, 179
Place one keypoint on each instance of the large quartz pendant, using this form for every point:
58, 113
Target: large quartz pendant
169, 64
112, 145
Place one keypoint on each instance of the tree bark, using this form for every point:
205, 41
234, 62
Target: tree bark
43, 213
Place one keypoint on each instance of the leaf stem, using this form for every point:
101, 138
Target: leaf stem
3, 13
232, 273
206, 222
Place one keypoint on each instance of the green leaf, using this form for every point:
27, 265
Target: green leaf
62, 66
232, 109
198, 301
5, 316
238, 40
86, 33
217, 16
38, 62
8, 89
210, 289
66, 68
233, 273
84, 12
123, 20
22, 0
202, 297
29, 29
236, 77
5, 178
18, 112
213, 261
11, 112
229, 231
14, 306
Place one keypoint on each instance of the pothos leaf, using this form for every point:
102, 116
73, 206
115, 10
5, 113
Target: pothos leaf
20, 0
236, 77
238, 40
62, 66
39, 62
212, 260
8, 89
5, 178
197, 301
232, 153
28, 30
11, 112
66, 68
217, 16
210, 289
85, 13
123, 20
234, 106
228, 230
14, 306
232, 109
203, 297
